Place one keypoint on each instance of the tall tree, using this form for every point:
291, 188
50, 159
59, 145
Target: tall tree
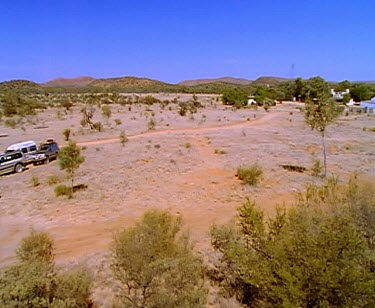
299, 86
361, 92
317, 88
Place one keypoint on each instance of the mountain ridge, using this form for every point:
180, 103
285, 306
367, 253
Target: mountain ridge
200, 81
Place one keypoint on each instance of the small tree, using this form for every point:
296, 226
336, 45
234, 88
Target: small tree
155, 265
123, 138
106, 111
318, 115
66, 133
70, 160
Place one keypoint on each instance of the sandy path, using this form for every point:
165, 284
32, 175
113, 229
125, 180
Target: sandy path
203, 129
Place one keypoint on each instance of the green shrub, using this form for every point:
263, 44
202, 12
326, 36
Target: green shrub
371, 129
66, 133
317, 254
250, 175
151, 124
235, 96
63, 190
187, 145
317, 168
155, 264
34, 281
36, 246
118, 122
98, 126
106, 111
123, 138
35, 181
10, 123
53, 179
76, 285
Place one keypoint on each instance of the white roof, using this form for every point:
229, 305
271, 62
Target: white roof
18, 145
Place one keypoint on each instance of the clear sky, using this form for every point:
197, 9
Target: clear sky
177, 40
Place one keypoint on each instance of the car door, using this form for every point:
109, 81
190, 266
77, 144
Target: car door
7, 164
2, 165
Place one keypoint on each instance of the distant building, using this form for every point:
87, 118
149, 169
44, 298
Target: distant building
339, 95
368, 106
363, 107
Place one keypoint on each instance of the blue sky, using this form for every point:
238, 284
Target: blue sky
177, 40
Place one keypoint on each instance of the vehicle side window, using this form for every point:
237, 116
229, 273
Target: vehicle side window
17, 155
24, 150
32, 148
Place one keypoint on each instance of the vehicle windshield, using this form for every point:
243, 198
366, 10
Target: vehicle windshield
44, 147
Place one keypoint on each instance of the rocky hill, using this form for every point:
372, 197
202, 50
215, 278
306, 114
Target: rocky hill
18, 84
69, 82
230, 80
125, 82
268, 80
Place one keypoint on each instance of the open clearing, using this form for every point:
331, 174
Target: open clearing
172, 167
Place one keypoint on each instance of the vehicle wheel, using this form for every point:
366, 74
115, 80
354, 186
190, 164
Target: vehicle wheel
46, 161
18, 168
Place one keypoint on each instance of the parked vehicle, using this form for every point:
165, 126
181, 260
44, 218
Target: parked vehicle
13, 161
27, 147
47, 151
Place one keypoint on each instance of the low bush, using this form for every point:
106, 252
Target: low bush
319, 253
34, 281
10, 123
250, 175
151, 124
98, 126
123, 138
53, 179
63, 190
317, 168
66, 133
217, 151
35, 181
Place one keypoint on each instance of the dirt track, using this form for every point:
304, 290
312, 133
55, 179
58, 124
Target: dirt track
184, 130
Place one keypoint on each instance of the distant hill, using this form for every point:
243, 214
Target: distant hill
69, 82
212, 87
126, 82
18, 84
231, 80
269, 80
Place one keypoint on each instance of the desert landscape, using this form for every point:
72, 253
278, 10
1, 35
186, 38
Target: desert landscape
184, 164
